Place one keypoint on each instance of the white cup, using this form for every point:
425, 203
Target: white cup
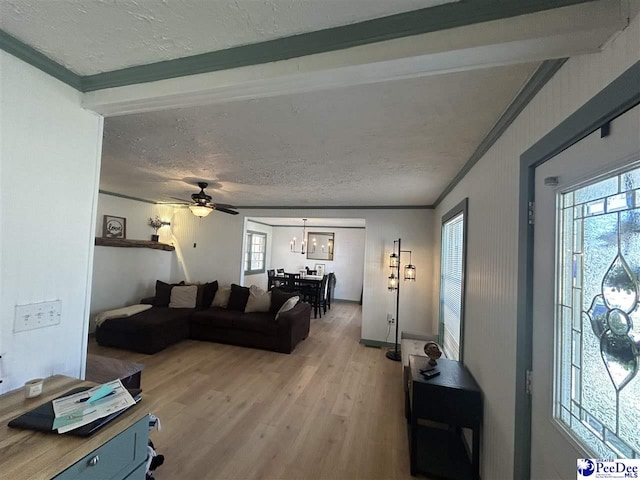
33, 388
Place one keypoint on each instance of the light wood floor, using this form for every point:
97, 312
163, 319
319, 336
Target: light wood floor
333, 409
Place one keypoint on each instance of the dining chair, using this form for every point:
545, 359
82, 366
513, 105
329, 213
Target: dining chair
290, 281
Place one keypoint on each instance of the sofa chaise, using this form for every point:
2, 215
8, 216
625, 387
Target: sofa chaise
232, 322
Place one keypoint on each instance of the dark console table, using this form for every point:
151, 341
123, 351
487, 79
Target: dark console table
452, 398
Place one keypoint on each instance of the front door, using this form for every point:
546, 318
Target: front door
586, 314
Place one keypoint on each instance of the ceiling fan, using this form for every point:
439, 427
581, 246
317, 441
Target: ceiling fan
201, 204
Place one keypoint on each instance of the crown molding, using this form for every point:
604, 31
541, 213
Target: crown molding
36, 59
539, 79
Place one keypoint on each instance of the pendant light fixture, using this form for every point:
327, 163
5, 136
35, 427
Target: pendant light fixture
293, 244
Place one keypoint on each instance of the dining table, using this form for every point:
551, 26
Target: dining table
307, 285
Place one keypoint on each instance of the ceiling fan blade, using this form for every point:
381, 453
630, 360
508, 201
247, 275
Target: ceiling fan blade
223, 205
225, 210
182, 200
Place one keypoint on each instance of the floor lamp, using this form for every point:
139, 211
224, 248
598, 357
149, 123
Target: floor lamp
394, 284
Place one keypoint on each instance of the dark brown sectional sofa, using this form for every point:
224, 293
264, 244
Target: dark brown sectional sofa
159, 327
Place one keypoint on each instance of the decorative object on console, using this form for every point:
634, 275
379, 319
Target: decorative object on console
394, 284
432, 349
293, 244
114, 227
201, 204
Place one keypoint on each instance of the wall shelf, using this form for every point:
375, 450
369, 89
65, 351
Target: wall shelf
126, 243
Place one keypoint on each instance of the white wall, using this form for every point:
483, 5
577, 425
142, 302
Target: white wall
490, 323
259, 279
347, 263
50, 160
122, 276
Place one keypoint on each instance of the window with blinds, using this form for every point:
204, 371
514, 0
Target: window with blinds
254, 255
452, 265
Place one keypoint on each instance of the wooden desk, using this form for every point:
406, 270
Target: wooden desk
453, 398
38, 455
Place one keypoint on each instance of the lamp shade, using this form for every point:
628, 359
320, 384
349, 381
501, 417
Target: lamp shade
410, 273
393, 260
392, 283
199, 210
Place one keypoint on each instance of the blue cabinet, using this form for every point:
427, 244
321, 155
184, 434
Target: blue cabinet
122, 457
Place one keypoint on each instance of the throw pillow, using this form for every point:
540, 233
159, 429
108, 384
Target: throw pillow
288, 305
278, 297
208, 293
221, 298
259, 300
238, 298
163, 294
184, 297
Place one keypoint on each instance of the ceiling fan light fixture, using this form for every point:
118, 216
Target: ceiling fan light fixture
200, 211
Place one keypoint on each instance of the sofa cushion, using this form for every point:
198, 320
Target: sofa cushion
278, 297
208, 293
288, 305
238, 298
259, 300
163, 294
221, 298
183, 296
260, 322
215, 317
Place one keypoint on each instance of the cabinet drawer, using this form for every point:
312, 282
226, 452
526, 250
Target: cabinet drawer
115, 459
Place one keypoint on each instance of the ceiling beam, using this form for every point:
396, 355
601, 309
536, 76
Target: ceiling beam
416, 22
537, 37
406, 24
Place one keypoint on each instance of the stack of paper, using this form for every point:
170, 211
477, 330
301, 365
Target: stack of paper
82, 408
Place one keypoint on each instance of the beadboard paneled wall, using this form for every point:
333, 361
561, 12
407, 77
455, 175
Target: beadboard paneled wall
492, 188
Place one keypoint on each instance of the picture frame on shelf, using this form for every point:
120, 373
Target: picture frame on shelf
319, 268
114, 227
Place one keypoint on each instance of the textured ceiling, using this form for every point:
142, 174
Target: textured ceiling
393, 143
93, 36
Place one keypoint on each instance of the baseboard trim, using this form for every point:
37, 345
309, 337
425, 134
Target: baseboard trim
345, 301
375, 343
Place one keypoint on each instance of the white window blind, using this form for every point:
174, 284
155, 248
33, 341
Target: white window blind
451, 268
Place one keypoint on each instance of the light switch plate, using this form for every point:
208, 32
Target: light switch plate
36, 315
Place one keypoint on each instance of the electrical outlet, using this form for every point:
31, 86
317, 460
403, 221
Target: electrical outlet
390, 319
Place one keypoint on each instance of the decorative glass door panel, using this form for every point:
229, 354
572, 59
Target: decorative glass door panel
597, 395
